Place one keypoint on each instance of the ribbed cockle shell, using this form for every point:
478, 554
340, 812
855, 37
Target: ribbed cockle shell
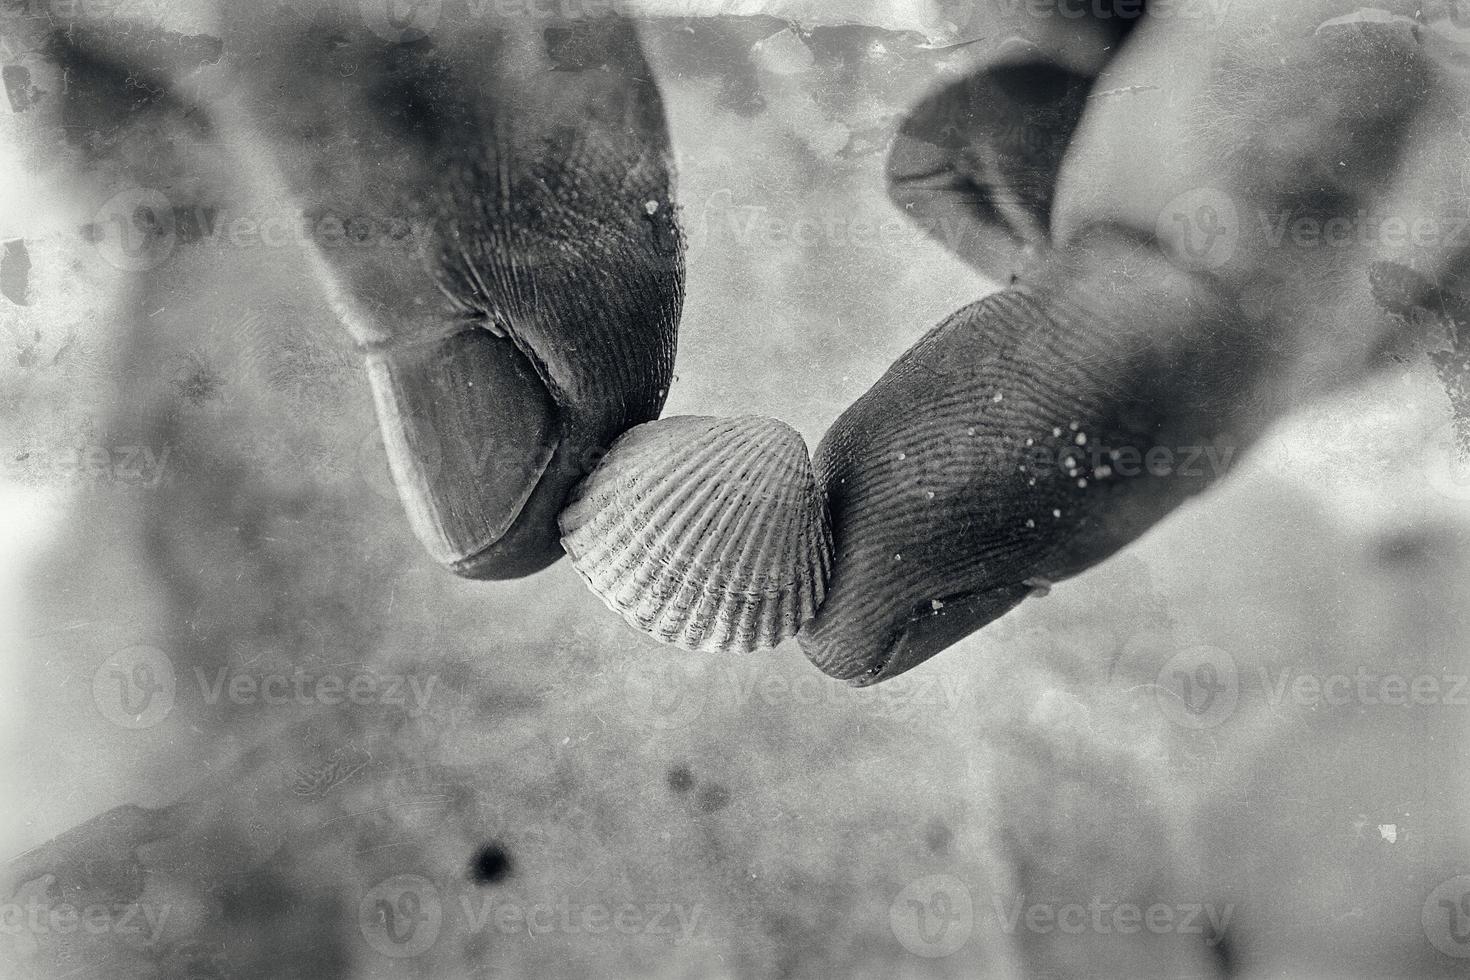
707, 533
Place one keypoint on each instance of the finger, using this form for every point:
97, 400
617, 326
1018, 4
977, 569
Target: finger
1295, 143
1011, 448
1249, 361
1346, 242
975, 163
517, 293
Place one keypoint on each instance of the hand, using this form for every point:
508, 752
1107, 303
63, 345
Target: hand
1200, 225
1193, 218
492, 218
1146, 297
1202, 221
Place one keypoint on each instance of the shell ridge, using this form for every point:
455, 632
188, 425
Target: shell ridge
709, 534
665, 556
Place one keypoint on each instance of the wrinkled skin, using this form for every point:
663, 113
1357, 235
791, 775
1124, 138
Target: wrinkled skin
1060, 782
529, 317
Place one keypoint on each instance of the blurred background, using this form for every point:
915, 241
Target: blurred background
247, 729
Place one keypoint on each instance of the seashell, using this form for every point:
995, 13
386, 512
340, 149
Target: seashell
706, 533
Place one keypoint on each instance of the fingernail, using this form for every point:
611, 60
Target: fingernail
469, 430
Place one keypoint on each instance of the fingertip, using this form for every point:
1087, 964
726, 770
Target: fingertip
1026, 438
975, 164
842, 647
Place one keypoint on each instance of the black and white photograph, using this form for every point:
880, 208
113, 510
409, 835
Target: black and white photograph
771, 489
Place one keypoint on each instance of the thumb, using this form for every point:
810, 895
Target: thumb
1024, 439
